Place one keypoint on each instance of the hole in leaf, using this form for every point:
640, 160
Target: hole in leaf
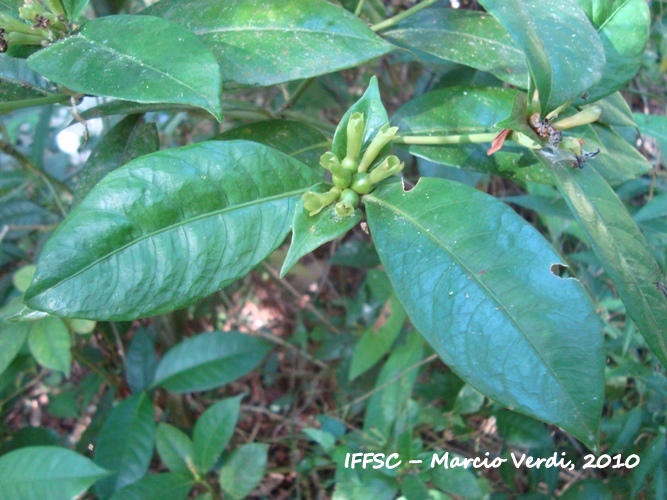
560, 270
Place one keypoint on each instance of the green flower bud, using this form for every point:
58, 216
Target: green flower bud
361, 183
351, 196
315, 202
349, 201
587, 115
342, 181
390, 166
382, 138
12, 24
572, 144
56, 7
355, 135
23, 39
30, 11
350, 165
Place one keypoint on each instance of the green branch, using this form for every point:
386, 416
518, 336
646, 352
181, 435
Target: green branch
388, 23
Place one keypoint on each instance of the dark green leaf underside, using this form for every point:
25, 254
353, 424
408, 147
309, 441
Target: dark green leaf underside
481, 291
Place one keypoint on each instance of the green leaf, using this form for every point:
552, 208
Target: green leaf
620, 162
18, 82
651, 458
552, 34
468, 400
133, 58
621, 248
140, 362
466, 37
213, 431
375, 117
298, 140
168, 229
310, 233
495, 313
73, 8
463, 111
157, 487
656, 127
623, 27
46, 472
457, 481
125, 444
11, 5
175, 448
379, 339
209, 360
615, 111
387, 407
325, 439
12, 338
257, 43
127, 140
50, 344
244, 469
22, 277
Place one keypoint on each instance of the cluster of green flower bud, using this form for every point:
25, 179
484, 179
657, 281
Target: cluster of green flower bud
41, 22
350, 175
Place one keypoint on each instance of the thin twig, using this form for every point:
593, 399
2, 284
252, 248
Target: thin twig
277, 340
388, 23
424, 361
295, 293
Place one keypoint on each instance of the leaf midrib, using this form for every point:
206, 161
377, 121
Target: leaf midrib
146, 236
477, 38
426, 231
139, 62
619, 251
240, 29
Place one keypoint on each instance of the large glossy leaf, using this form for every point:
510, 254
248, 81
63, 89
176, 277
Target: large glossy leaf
18, 82
623, 26
213, 431
168, 229
244, 469
134, 58
157, 487
209, 360
46, 472
375, 117
621, 248
296, 139
127, 140
12, 338
481, 290
125, 443
462, 111
467, 37
50, 343
311, 232
259, 42
553, 34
